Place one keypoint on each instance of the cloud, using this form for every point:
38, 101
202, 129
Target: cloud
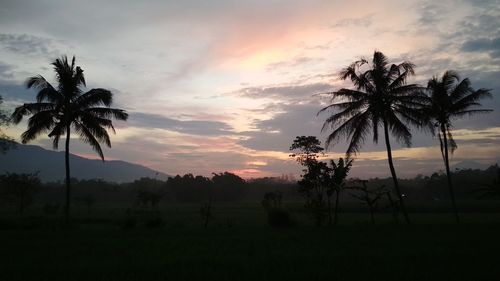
278, 132
26, 44
490, 45
284, 92
15, 93
364, 21
194, 127
165, 58
6, 71
297, 61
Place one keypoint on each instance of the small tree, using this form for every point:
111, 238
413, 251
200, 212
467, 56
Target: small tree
369, 197
148, 192
148, 199
227, 187
313, 185
206, 212
393, 205
19, 189
336, 183
272, 200
276, 215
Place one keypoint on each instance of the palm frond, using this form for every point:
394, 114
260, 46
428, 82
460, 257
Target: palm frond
39, 123
343, 115
87, 137
399, 129
94, 97
347, 129
362, 128
105, 112
56, 133
28, 109
87, 118
469, 100
451, 77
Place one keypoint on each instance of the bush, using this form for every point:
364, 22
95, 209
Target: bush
278, 217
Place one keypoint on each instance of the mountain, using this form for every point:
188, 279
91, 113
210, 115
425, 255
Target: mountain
50, 164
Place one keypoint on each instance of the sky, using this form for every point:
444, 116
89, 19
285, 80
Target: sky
223, 85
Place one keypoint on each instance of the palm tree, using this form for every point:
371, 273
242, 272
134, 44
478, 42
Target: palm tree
450, 98
381, 98
336, 184
58, 110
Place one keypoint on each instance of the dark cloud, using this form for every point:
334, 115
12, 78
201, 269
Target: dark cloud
27, 44
194, 127
16, 92
490, 45
285, 92
278, 132
487, 80
298, 119
6, 71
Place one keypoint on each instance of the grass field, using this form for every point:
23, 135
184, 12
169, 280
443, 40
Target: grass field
238, 245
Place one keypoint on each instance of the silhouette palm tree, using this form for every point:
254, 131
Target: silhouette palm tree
58, 110
450, 98
339, 172
381, 98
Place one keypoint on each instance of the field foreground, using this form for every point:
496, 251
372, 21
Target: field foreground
257, 252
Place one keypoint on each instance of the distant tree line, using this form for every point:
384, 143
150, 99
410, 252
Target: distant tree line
20, 191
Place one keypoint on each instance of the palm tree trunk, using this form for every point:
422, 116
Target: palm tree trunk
448, 174
335, 216
68, 181
393, 172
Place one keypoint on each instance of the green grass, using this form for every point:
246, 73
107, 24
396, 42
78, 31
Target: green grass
97, 248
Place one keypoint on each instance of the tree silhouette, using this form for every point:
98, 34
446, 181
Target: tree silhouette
19, 189
336, 183
58, 110
314, 183
381, 98
491, 191
6, 142
370, 197
450, 98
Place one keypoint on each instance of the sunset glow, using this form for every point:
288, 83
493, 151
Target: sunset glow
227, 85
